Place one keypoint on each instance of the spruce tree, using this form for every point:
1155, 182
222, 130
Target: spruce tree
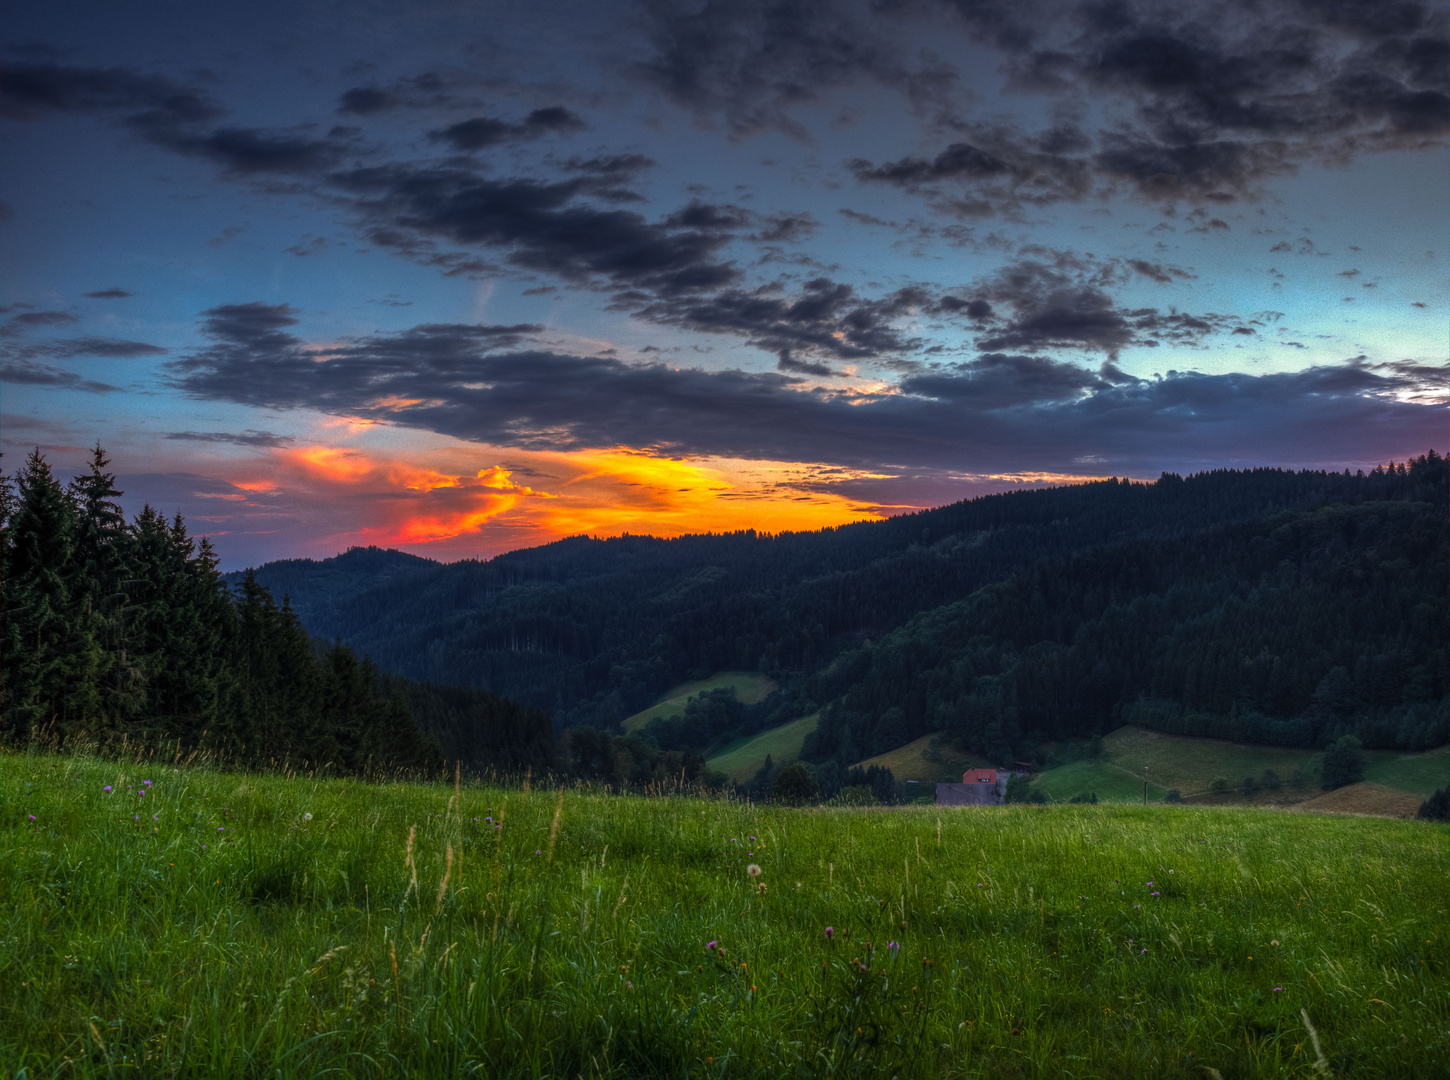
53, 661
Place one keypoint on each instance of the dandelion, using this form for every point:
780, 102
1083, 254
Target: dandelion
307, 816
753, 870
1275, 943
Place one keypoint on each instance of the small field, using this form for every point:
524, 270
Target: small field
1395, 783
914, 762
750, 687
743, 758
187, 923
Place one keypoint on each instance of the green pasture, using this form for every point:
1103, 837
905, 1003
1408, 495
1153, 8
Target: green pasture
208, 924
750, 687
915, 761
1192, 765
743, 758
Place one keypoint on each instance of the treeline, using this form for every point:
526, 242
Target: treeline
1295, 630
594, 630
119, 629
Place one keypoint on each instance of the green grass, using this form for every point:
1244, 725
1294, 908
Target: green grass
1191, 765
743, 758
910, 762
1414, 774
210, 929
750, 687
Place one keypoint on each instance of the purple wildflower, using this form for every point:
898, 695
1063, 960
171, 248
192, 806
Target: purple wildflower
1145, 950
711, 944
106, 788
894, 947
32, 817
830, 933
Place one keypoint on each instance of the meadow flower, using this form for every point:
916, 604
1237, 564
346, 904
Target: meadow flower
830, 933
1145, 950
753, 870
1278, 989
894, 947
106, 788
307, 817
711, 944
146, 782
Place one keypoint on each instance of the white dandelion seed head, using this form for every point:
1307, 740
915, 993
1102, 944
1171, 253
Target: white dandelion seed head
307, 817
753, 870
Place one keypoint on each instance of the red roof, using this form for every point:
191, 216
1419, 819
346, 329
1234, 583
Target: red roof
979, 776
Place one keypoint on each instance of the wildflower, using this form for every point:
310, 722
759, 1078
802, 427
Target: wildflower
830, 933
540, 853
1278, 989
146, 782
32, 817
1153, 894
628, 985
753, 870
1141, 953
894, 947
1276, 943
307, 816
106, 788
1137, 905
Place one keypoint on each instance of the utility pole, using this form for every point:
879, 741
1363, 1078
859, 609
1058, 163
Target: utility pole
1145, 785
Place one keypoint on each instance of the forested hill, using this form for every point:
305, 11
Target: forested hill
592, 630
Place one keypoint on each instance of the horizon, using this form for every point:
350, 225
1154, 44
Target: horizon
461, 285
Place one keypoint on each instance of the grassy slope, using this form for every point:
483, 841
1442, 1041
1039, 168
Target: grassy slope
743, 758
158, 945
1191, 765
910, 762
750, 687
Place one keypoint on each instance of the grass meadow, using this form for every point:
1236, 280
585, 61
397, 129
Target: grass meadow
750, 687
161, 921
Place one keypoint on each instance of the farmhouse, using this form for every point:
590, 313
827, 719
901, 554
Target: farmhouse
979, 787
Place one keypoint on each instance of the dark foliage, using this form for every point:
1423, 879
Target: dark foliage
117, 629
1343, 764
1436, 807
1261, 606
795, 786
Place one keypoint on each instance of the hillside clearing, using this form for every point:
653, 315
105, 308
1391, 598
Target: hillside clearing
751, 687
743, 758
917, 761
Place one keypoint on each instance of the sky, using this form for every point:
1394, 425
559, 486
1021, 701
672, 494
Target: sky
460, 278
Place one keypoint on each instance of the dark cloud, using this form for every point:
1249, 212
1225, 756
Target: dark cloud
1061, 302
997, 412
1202, 102
252, 151
751, 62
542, 226
28, 373
824, 317
427, 91
148, 102
249, 437
35, 320
484, 131
112, 293
90, 345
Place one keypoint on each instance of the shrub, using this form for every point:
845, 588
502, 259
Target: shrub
796, 785
854, 795
1271, 780
1219, 786
1250, 785
1436, 807
1018, 789
1343, 764
1174, 795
